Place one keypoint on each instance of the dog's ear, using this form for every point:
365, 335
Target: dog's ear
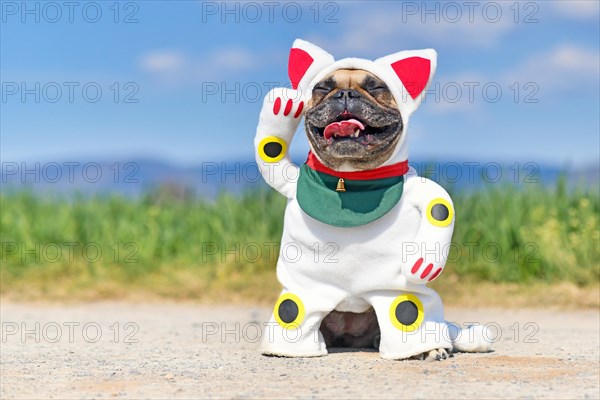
413, 71
306, 60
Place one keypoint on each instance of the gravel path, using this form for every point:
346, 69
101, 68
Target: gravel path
125, 350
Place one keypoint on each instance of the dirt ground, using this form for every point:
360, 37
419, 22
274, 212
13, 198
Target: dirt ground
169, 350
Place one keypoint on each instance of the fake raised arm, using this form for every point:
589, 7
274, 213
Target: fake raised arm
425, 257
279, 118
281, 114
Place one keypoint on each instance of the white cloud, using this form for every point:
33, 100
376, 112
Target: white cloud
459, 93
396, 26
163, 61
579, 9
233, 59
174, 67
566, 68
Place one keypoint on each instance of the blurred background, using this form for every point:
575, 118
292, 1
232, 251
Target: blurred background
127, 128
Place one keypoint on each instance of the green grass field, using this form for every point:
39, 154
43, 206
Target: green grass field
186, 248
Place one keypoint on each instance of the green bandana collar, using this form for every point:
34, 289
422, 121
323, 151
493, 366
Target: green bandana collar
362, 202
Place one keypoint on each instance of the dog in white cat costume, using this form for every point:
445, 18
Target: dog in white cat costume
363, 234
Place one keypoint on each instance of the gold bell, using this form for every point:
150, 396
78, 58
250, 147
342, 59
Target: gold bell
340, 186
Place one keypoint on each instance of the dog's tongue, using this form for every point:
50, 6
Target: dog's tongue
342, 128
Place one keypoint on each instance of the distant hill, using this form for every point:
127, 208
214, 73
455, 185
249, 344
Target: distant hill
207, 179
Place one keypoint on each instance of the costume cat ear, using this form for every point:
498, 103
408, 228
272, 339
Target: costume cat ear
412, 70
305, 62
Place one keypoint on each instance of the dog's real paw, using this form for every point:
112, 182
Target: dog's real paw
433, 355
377, 341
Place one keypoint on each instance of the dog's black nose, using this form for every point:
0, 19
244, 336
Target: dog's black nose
346, 94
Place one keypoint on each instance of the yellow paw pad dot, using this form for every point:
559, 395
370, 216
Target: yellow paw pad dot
272, 149
440, 212
289, 311
406, 312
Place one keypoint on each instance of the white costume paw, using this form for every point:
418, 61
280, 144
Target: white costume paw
281, 113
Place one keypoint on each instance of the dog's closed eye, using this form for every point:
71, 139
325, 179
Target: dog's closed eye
377, 89
374, 85
321, 90
324, 87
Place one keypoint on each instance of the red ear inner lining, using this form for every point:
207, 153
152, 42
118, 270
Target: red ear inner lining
414, 74
298, 64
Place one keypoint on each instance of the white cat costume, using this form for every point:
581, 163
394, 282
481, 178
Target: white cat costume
375, 245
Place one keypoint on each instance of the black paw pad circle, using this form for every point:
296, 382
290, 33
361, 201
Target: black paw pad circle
406, 312
289, 311
440, 212
272, 149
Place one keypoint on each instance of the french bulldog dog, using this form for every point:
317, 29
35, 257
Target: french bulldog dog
352, 119
363, 234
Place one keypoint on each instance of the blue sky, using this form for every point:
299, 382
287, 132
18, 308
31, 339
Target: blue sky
196, 72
